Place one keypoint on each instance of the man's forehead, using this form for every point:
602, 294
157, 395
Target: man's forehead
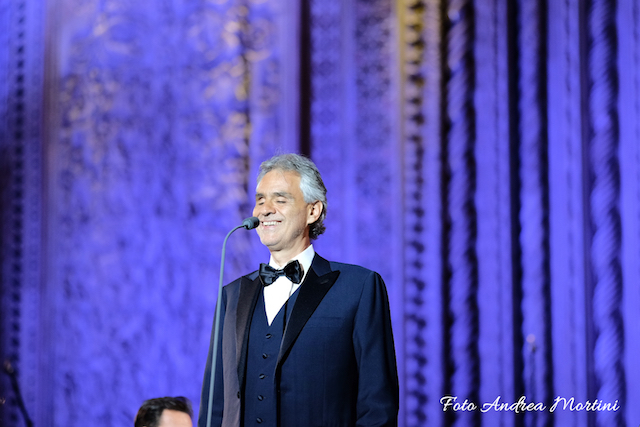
174, 418
278, 181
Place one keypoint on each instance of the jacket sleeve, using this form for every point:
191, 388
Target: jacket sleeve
218, 393
378, 391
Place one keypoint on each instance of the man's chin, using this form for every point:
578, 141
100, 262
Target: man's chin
271, 244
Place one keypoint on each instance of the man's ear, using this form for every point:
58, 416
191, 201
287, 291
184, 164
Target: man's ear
315, 210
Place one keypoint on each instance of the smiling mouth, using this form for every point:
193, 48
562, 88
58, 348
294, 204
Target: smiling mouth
269, 223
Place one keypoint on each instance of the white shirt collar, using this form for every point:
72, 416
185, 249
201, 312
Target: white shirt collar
305, 258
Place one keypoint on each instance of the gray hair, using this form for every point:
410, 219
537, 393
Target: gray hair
311, 184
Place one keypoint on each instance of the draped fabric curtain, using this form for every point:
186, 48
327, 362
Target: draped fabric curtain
483, 156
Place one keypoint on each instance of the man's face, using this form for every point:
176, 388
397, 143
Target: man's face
171, 418
284, 215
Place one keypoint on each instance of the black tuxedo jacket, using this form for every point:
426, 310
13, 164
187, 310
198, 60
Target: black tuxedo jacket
336, 366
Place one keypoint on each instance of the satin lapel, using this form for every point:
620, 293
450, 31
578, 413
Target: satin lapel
311, 294
249, 292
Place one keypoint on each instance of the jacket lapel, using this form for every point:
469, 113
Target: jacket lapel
316, 285
249, 292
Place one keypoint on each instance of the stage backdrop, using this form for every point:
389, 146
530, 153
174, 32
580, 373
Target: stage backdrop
483, 156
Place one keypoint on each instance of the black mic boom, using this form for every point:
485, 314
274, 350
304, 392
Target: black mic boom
249, 224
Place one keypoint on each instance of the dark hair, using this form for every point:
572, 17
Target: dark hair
311, 183
151, 410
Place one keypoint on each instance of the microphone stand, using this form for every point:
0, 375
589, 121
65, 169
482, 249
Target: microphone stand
8, 369
249, 224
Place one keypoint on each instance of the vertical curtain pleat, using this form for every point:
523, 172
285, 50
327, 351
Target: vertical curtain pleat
604, 208
459, 180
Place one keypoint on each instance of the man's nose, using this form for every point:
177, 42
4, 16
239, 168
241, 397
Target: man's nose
265, 208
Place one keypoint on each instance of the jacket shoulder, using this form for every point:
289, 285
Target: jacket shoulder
251, 277
354, 272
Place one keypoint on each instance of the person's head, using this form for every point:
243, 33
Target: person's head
165, 412
291, 203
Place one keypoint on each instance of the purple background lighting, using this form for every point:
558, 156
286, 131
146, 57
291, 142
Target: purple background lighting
483, 156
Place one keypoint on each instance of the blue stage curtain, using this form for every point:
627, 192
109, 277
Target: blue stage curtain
483, 156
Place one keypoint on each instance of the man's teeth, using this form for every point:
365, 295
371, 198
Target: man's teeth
268, 223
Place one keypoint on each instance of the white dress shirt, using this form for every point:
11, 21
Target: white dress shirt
277, 293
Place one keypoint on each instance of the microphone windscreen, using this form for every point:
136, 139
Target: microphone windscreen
251, 223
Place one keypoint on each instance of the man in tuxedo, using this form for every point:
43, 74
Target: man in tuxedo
304, 342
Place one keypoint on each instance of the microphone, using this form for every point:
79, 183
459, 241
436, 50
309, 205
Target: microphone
251, 223
9, 370
248, 224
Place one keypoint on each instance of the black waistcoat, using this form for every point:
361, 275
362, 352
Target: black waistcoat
260, 402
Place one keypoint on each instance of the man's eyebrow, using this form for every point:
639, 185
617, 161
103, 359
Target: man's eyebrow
275, 194
281, 194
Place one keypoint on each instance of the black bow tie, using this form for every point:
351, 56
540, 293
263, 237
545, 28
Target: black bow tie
292, 271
